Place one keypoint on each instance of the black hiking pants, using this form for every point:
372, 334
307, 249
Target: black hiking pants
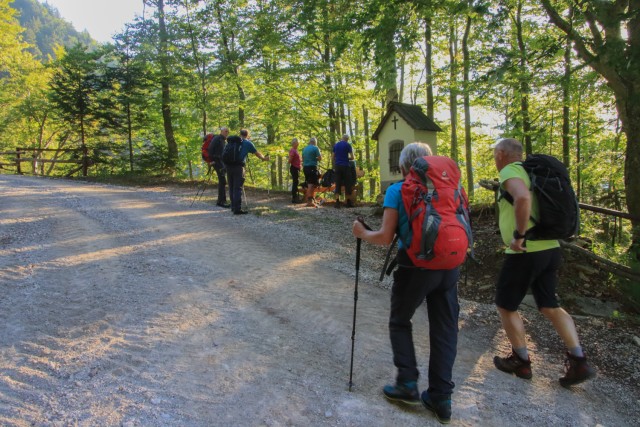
295, 182
222, 181
235, 173
410, 288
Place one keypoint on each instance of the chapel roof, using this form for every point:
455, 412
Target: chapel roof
412, 114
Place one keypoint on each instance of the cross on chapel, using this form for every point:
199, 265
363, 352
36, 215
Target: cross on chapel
395, 121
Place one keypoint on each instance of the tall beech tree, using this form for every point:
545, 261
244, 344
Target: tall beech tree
606, 36
165, 76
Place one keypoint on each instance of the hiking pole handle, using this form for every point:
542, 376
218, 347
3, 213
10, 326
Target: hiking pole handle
358, 245
360, 219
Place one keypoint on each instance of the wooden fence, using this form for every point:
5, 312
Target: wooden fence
34, 156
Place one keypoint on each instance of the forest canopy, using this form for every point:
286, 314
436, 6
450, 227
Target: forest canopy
562, 76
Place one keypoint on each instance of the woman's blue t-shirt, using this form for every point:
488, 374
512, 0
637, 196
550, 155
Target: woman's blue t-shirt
393, 200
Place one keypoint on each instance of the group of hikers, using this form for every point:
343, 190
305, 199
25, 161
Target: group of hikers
232, 172
343, 160
231, 169
529, 263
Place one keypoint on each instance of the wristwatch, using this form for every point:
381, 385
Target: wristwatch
517, 235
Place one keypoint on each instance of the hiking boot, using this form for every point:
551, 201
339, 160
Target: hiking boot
337, 205
403, 392
440, 408
512, 364
223, 205
240, 212
577, 371
349, 204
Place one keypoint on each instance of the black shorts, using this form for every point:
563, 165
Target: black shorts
536, 269
311, 175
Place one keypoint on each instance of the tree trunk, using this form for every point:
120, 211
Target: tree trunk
578, 146
242, 97
467, 109
428, 67
130, 136
367, 147
84, 147
202, 70
401, 92
524, 83
166, 90
343, 120
566, 100
632, 170
271, 139
453, 91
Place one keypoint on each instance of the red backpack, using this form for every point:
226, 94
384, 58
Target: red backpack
438, 212
205, 147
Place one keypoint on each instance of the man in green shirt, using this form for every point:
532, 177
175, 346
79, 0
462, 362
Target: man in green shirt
527, 264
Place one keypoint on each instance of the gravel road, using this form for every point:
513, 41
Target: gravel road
131, 307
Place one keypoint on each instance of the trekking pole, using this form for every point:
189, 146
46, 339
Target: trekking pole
355, 301
386, 258
200, 191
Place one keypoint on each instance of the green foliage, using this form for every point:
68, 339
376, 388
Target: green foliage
286, 69
45, 29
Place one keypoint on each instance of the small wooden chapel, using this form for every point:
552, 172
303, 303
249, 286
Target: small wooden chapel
401, 125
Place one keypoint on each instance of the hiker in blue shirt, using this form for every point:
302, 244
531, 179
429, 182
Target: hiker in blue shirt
342, 154
411, 286
236, 172
310, 158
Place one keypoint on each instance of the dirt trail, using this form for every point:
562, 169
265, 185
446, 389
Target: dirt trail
129, 307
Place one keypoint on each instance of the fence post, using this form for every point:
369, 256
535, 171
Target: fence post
85, 161
18, 170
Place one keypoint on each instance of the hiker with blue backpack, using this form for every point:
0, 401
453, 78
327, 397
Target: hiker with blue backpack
430, 198
533, 255
234, 157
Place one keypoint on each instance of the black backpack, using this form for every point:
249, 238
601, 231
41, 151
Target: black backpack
231, 153
557, 203
328, 178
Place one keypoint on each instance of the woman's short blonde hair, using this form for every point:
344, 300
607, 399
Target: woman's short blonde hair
410, 153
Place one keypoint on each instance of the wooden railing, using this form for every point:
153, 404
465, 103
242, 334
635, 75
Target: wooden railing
34, 156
